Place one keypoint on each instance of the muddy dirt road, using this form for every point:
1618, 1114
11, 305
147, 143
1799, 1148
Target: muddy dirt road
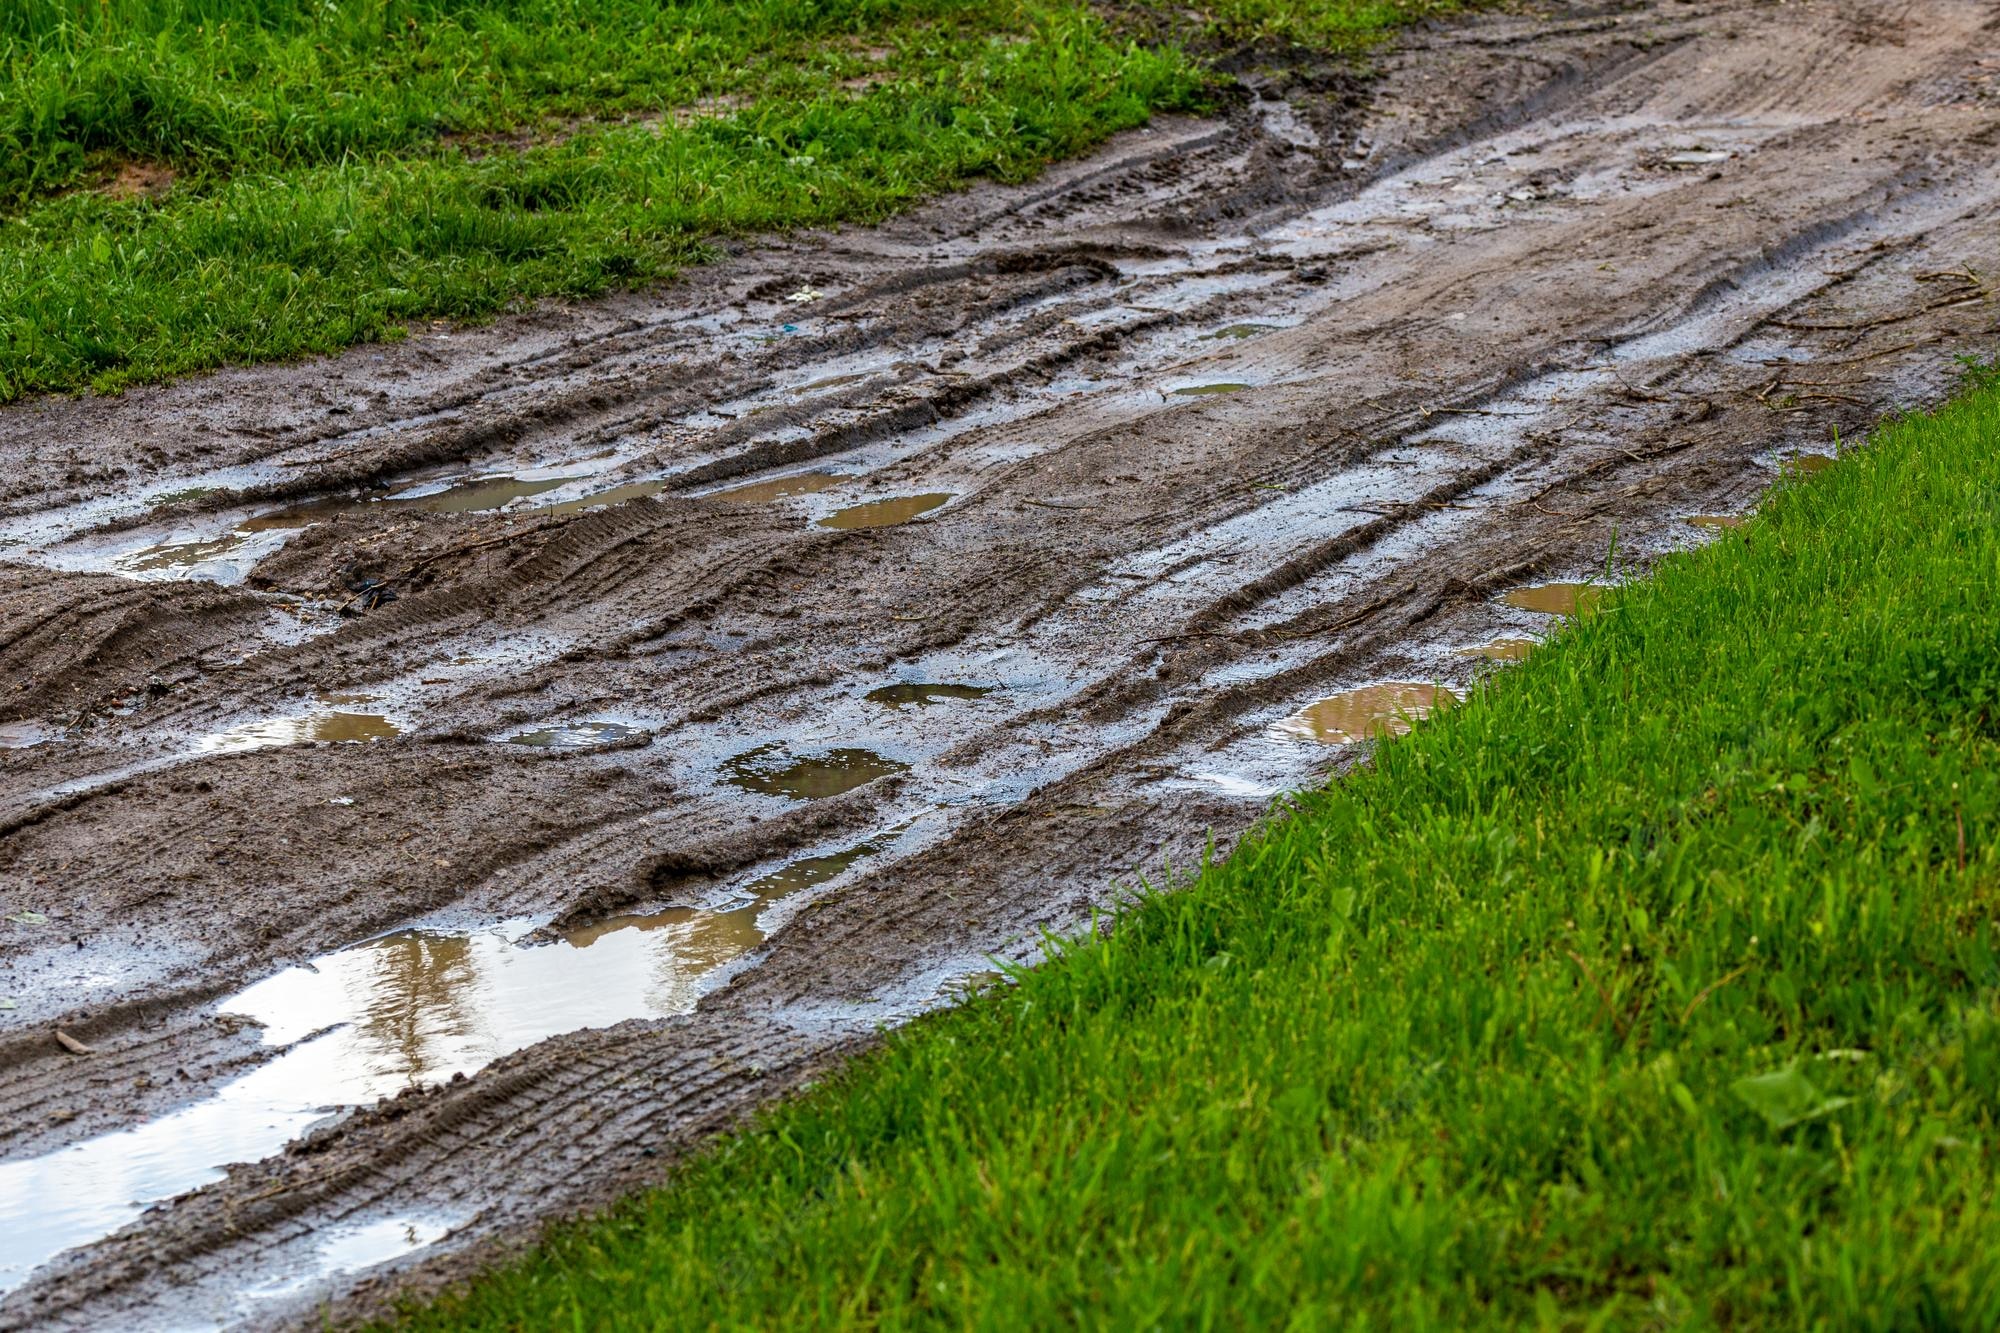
588, 726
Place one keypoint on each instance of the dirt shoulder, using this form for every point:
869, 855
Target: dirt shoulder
1228, 418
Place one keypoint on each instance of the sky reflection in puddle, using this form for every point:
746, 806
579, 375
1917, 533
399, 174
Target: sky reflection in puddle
404, 1010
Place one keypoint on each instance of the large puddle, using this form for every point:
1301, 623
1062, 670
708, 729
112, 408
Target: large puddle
406, 1010
772, 770
1390, 708
885, 513
779, 488
336, 727
229, 558
351, 1247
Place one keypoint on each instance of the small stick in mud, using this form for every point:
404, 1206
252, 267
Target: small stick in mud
72, 1045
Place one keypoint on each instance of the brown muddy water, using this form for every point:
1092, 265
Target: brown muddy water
774, 770
779, 488
1557, 599
885, 513
1389, 708
337, 727
1717, 522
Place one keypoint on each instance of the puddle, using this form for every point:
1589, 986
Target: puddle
1387, 709
1502, 650
405, 1010
1716, 521
1806, 465
885, 513
1557, 599
352, 1248
924, 693
771, 770
228, 559
763, 492
337, 727
21, 735
577, 735
1242, 331
1198, 390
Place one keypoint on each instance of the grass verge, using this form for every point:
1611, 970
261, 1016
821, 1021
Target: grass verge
185, 183
1654, 986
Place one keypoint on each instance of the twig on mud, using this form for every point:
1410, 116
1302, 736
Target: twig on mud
1610, 460
1192, 634
1633, 390
502, 539
1403, 507
1887, 351
1963, 272
233, 1204
1469, 412
1344, 622
416, 565
1966, 298
1056, 504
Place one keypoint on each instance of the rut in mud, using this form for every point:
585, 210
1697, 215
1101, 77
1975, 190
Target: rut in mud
732, 670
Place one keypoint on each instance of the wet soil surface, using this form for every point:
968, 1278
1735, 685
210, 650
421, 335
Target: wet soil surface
490, 763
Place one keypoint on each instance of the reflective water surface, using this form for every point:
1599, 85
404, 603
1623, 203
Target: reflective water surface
772, 770
885, 513
405, 1010
1557, 599
1386, 709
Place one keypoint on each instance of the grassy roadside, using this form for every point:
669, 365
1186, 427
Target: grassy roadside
186, 183
1655, 986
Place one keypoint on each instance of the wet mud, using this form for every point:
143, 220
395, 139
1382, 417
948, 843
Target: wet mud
420, 665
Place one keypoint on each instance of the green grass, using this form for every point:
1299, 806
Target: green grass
342, 167
1655, 986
